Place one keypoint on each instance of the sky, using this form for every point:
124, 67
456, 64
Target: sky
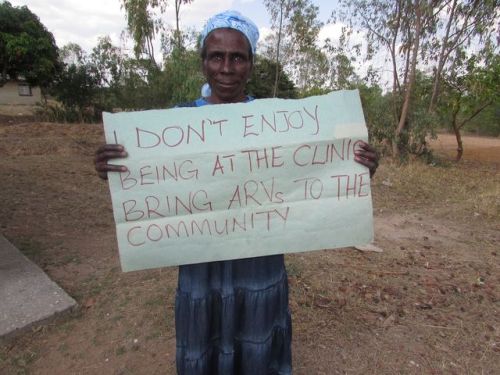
83, 22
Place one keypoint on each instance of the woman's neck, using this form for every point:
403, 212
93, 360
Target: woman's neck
215, 100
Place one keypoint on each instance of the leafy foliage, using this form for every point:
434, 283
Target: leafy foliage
27, 48
142, 26
75, 88
439, 36
468, 94
458, 88
293, 45
261, 81
184, 77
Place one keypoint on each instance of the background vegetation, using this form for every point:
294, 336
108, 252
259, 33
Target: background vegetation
443, 58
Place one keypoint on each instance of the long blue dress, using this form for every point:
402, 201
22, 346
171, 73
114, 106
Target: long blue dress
232, 317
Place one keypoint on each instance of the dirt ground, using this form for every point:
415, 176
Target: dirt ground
428, 304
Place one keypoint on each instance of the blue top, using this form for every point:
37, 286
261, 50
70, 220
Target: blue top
200, 102
232, 317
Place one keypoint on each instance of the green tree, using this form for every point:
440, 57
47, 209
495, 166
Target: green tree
294, 43
108, 62
183, 76
178, 35
27, 48
468, 94
263, 74
72, 53
75, 87
378, 120
279, 11
142, 25
143, 86
402, 28
462, 24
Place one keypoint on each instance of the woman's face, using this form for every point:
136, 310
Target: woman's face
227, 65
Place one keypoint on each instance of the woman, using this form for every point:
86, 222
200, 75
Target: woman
232, 317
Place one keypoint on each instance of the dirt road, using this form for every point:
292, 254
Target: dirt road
483, 149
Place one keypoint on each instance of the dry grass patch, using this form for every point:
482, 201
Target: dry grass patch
427, 304
457, 189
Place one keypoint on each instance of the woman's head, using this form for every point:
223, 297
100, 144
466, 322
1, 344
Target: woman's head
228, 44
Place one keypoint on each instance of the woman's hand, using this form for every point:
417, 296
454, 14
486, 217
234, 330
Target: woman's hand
104, 154
367, 155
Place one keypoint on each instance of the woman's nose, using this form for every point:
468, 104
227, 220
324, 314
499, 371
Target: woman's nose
227, 65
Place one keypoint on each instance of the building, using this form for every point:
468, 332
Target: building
19, 92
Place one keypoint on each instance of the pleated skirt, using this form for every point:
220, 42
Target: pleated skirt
232, 317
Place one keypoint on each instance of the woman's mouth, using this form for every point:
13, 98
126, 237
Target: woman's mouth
227, 84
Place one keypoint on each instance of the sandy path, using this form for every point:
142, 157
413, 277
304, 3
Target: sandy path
475, 148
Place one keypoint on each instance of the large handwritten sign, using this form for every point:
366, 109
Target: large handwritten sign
239, 180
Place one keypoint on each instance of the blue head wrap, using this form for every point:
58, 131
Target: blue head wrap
232, 19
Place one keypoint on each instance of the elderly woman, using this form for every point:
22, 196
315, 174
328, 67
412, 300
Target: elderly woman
231, 317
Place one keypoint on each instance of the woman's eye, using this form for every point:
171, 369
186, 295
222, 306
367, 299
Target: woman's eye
239, 59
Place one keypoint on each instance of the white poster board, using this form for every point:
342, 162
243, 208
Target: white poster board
239, 180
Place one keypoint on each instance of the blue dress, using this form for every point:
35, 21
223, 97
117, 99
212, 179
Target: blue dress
232, 317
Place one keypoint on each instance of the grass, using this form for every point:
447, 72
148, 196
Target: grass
458, 189
31, 248
155, 301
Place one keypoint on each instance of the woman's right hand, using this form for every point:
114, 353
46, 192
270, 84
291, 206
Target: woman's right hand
104, 154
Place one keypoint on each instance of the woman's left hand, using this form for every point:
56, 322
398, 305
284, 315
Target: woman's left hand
367, 155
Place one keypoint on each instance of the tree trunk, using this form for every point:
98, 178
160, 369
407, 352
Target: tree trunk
442, 59
276, 74
457, 127
177, 30
458, 136
397, 146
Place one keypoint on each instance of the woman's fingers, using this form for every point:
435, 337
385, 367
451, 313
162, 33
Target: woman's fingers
367, 155
106, 153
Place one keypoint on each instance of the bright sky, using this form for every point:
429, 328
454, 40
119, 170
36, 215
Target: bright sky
82, 22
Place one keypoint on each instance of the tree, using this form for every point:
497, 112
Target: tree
142, 25
463, 43
462, 24
294, 43
279, 10
108, 61
468, 94
183, 76
27, 48
178, 34
263, 72
75, 87
378, 119
341, 72
440, 35
402, 27
72, 53
83, 85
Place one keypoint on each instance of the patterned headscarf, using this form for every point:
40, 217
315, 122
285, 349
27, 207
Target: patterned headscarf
232, 19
